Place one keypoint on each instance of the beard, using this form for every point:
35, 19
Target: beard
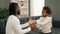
18, 12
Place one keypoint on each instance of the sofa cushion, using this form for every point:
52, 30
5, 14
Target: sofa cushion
2, 26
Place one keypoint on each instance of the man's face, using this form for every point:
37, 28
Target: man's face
17, 10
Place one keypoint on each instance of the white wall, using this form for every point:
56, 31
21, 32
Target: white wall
16, 1
4, 3
59, 8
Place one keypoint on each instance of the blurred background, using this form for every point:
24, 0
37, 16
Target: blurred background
33, 9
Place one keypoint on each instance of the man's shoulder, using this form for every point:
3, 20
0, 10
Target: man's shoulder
12, 17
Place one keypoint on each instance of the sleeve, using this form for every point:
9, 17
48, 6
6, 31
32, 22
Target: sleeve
44, 22
25, 25
18, 28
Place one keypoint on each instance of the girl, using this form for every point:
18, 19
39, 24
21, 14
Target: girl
45, 21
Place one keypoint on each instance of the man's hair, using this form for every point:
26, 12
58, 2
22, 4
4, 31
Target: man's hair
47, 9
12, 8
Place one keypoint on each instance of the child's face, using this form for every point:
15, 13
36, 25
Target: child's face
44, 13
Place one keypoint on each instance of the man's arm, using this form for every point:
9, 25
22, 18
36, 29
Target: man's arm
17, 27
25, 25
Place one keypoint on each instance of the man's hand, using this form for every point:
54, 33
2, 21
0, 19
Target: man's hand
33, 27
32, 21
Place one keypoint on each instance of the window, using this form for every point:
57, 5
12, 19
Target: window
37, 6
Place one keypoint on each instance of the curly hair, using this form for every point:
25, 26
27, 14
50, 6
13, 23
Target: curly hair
12, 8
47, 9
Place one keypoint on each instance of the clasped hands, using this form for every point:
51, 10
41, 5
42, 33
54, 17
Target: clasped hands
32, 24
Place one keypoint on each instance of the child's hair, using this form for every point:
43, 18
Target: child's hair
47, 9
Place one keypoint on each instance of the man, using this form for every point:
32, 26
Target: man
13, 23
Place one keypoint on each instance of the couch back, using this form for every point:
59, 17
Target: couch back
55, 23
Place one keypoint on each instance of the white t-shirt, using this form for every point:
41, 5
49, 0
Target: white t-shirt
13, 26
45, 23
